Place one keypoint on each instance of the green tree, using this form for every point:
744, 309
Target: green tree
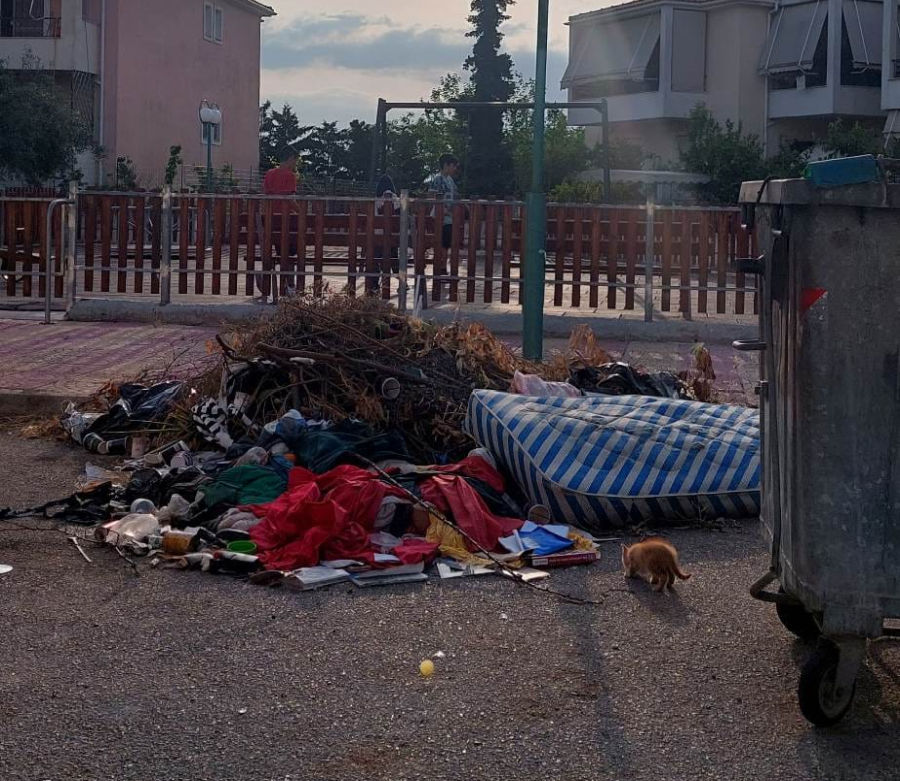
322, 150
40, 135
357, 150
723, 152
278, 129
846, 140
174, 162
489, 162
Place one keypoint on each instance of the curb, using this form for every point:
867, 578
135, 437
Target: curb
556, 326
108, 310
35, 403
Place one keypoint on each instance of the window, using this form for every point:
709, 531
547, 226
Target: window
796, 52
216, 134
614, 58
213, 22
688, 51
895, 46
793, 37
861, 44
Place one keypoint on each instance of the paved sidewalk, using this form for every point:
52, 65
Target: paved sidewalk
46, 365
43, 366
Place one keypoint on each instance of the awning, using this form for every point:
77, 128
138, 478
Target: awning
892, 124
863, 20
793, 37
614, 50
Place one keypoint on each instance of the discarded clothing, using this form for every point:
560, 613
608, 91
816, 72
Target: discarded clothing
620, 379
244, 485
602, 462
330, 516
321, 450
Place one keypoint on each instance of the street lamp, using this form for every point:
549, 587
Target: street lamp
210, 117
536, 203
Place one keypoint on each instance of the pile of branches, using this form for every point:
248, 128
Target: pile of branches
344, 357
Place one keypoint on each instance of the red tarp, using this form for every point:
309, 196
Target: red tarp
330, 516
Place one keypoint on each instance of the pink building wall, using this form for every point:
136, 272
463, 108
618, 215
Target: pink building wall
158, 69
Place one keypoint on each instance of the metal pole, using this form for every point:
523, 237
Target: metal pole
650, 247
607, 178
536, 202
209, 171
48, 257
380, 115
71, 236
403, 250
165, 243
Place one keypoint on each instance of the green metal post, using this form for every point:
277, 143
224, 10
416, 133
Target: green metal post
209, 170
536, 203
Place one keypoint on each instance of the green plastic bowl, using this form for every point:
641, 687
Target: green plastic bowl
242, 546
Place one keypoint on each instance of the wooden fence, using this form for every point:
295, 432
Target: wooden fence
135, 244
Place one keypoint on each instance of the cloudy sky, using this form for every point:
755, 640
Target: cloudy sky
332, 59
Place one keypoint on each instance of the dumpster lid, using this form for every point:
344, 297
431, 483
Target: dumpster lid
802, 192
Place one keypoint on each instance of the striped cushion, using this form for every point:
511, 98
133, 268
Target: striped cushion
602, 462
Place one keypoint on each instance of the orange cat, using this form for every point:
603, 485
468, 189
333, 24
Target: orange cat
655, 560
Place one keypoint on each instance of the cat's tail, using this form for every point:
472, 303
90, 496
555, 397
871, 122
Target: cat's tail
680, 574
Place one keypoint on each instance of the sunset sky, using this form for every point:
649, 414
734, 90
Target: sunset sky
332, 59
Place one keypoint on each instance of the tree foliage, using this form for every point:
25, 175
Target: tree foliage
728, 156
40, 135
278, 129
846, 140
489, 161
724, 153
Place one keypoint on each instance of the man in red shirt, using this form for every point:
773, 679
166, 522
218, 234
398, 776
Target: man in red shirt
283, 181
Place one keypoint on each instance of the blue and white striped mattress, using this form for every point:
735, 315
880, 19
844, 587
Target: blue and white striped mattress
602, 462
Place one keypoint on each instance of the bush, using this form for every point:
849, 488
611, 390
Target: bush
724, 153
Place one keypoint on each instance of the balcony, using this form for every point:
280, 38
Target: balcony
29, 27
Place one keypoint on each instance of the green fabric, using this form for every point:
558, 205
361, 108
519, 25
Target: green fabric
247, 484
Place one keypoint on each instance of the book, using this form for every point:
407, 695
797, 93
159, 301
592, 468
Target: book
386, 580
312, 578
566, 559
402, 569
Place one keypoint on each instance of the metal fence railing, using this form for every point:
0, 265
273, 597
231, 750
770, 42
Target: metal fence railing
171, 246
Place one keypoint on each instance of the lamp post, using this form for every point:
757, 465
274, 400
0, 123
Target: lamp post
210, 117
536, 205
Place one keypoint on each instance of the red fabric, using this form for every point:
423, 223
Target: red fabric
477, 467
330, 516
451, 494
414, 550
280, 181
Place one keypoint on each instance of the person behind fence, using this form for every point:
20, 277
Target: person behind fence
281, 180
385, 191
442, 186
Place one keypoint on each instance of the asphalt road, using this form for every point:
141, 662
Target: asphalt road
169, 675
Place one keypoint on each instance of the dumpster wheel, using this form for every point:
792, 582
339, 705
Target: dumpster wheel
820, 700
797, 620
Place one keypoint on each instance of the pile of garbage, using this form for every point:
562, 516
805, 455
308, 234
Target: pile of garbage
331, 444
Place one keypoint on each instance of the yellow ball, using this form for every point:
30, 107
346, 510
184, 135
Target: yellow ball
426, 668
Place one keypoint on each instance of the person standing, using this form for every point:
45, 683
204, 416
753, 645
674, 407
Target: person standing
284, 181
442, 186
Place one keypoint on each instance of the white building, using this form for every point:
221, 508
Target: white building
782, 70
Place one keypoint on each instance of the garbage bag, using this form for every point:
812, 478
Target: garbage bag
144, 484
533, 385
621, 379
136, 406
